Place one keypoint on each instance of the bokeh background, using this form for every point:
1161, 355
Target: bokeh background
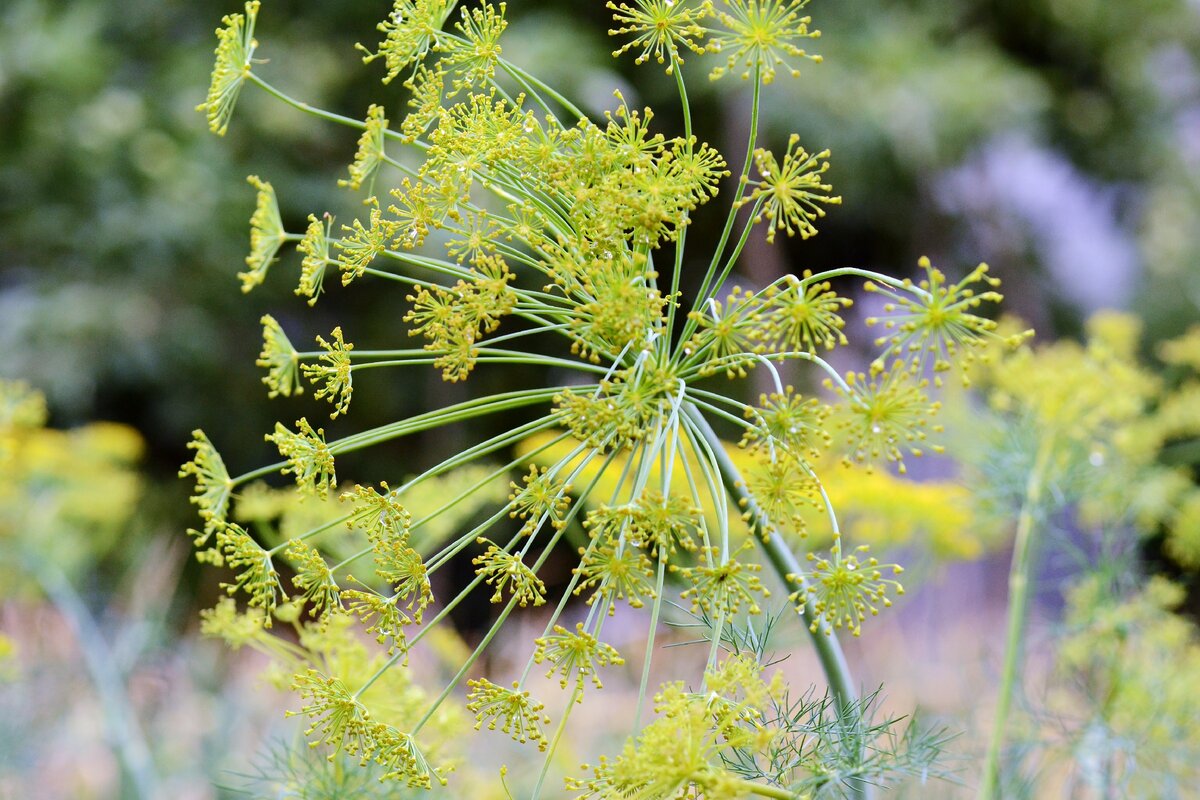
1059, 140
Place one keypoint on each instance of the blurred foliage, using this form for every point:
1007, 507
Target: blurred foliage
1125, 708
1079, 443
66, 496
1123, 432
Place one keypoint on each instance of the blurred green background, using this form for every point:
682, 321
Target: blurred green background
1059, 140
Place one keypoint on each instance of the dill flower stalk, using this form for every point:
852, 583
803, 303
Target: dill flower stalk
527, 222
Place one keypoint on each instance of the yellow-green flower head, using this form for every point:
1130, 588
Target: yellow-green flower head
790, 422
738, 681
1084, 395
402, 759
413, 27
542, 497
513, 710
660, 28
676, 756
728, 334
479, 133
759, 36
804, 315
454, 319
414, 213
722, 588
475, 240
579, 653
784, 489
657, 523
364, 243
628, 132
309, 458
426, 87
623, 313
342, 722
223, 621
333, 372
380, 514
387, 525
371, 153
788, 196
503, 570
887, 415
934, 320
315, 247
621, 413
696, 170
266, 234
280, 359
380, 618
844, 589
402, 568
616, 572
213, 484
313, 578
339, 720
235, 48
256, 573
475, 55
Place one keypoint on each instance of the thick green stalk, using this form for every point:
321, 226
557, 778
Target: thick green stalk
783, 561
1018, 606
763, 790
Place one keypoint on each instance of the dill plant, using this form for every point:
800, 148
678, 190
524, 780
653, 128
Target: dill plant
1085, 435
527, 219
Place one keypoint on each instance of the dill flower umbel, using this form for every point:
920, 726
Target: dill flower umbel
315, 247
332, 372
661, 28
371, 153
235, 48
788, 195
213, 484
532, 238
266, 234
280, 360
309, 458
846, 588
936, 321
758, 36
578, 652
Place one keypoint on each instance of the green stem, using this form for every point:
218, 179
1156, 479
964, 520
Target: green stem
527, 81
763, 790
469, 409
655, 608
562, 726
1018, 606
677, 270
706, 286
878, 277
310, 109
